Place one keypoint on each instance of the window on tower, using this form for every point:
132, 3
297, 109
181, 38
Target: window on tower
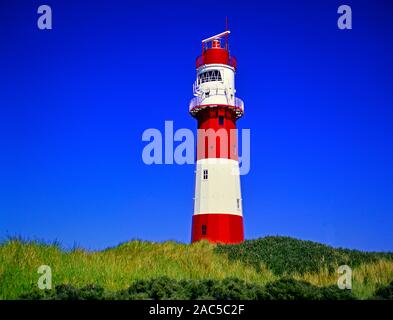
204, 231
205, 174
220, 120
211, 75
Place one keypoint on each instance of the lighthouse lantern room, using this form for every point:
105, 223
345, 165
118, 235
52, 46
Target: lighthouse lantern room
218, 212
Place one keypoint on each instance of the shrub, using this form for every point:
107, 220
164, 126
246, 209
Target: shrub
290, 289
169, 289
385, 292
287, 256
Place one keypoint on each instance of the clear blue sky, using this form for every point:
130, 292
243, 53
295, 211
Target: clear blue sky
74, 102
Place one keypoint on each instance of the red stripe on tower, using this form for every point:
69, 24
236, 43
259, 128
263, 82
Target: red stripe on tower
218, 213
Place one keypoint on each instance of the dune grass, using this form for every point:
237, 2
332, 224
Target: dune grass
314, 262
116, 268
366, 278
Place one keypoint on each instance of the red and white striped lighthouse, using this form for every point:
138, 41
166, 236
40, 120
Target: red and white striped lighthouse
218, 202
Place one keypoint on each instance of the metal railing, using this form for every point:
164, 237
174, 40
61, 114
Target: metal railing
197, 101
239, 104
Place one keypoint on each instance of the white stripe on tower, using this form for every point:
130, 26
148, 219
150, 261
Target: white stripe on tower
217, 187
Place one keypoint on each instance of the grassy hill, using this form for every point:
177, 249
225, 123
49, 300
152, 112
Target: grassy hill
265, 268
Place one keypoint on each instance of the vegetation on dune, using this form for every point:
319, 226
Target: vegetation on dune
116, 268
288, 256
170, 289
255, 269
384, 292
314, 262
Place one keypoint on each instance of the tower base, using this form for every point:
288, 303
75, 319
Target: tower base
217, 227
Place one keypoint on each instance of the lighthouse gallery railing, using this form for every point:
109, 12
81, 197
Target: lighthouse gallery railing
197, 102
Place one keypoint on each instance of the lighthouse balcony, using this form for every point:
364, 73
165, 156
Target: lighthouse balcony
197, 104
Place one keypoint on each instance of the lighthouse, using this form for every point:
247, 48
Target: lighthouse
218, 210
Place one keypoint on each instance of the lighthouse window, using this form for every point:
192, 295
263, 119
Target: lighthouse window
220, 120
211, 75
238, 203
204, 229
205, 174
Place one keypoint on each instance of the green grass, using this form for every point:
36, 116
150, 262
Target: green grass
259, 262
287, 256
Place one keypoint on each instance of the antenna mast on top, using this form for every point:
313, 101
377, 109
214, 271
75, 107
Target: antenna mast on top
218, 36
226, 38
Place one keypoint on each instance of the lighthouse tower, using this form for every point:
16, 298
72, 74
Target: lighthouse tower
218, 202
